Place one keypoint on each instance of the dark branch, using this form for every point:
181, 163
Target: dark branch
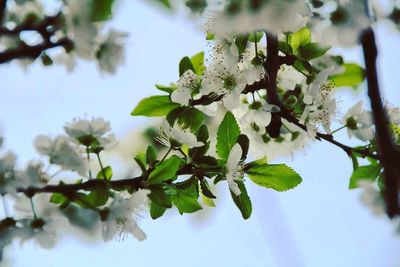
329, 138
389, 155
31, 52
3, 5
133, 183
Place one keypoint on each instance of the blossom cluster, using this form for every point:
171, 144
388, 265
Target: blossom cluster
35, 216
77, 26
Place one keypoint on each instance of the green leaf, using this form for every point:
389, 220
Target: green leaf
227, 135
210, 36
185, 202
255, 37
166, 170
352, 76
243, 201
164, 3
154, 106
184, 65
167, 89
208, 201
198, 63
312, 50
370, 172
241, 42
151, 155
101, 10
202, 136
94, 199
285, 48
244, 143
190, 186
105, 173
159, 196
300, 38
156, 211
58, 198
188, 117
141, 161
256, 163
275, 176
205, 189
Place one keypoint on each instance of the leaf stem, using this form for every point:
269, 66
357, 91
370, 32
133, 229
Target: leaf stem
101, 166
166, 154
88, 159
33, 208
5, 206
338, 129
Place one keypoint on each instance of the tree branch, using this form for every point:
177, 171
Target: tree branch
3, 6
135, 183
389, 155
31, 52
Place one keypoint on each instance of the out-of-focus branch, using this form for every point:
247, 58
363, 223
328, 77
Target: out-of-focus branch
31, 52
389, 155
3, 5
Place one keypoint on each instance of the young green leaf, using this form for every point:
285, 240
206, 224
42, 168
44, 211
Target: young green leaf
156, 211
352, 76
101, 10
312, 50
241, 42
198, 63
184, 65
167, 89
275, 176
370, 173
105, 173
255, 37
243, 201
186, 116
151, 155
227, 135
154, 106
300, 38
166, 170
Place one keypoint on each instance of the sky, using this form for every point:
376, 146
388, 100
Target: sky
320, 223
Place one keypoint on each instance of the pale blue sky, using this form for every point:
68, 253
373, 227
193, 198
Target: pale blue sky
320, 223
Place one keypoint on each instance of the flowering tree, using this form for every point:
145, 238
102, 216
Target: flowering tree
266, 89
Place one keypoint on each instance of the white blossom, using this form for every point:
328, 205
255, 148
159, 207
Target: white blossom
88, 131
33, 175
320, 106
358, 122
273, 16
289, 77
61, 152
111, 52
344, 25
177, 136
224, 77
371, 198
234, 168
7, 177
120, 219
186, 86
80, 29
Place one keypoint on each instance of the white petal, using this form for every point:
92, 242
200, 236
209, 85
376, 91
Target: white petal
181, 96
234, 157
